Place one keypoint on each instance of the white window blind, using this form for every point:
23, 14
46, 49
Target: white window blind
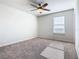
59, 24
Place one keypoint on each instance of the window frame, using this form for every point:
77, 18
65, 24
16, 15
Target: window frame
64, 28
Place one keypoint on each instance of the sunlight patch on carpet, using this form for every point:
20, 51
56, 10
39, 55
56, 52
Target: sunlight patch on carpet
54, 51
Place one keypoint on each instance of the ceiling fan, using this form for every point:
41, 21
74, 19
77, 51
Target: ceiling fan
40, 7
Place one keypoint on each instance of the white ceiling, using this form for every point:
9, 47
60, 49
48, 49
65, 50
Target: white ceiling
54, 5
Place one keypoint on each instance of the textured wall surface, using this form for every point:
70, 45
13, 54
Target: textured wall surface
16, 25
45, 26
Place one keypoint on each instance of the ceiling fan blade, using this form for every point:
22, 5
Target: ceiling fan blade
33, 9
46, 9
45, 5
34, 6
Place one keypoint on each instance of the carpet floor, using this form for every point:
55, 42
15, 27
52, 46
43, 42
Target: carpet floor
31, 49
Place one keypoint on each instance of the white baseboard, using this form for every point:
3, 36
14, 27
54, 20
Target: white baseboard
10, 43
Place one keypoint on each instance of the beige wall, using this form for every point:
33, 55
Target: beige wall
45, 26
77, 28
16, 25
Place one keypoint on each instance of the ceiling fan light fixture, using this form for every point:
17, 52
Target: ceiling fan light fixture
40, 10
40, 7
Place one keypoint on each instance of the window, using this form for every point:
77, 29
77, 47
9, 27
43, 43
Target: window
59, 24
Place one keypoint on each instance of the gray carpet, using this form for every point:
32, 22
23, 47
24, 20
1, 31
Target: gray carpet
31, 49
